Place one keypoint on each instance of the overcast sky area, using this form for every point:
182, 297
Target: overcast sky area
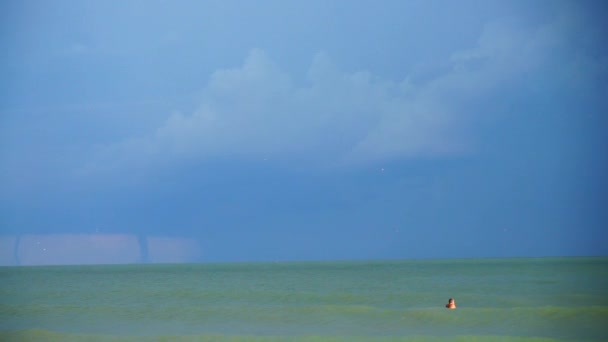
181, 131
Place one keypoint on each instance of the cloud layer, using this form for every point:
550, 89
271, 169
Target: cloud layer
257, 111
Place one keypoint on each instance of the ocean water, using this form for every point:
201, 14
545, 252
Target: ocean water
544, 299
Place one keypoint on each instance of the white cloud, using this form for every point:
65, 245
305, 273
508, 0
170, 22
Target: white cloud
257, 111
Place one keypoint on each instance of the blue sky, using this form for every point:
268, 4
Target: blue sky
178, 131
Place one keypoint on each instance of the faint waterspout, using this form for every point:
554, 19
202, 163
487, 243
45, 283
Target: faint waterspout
143, 249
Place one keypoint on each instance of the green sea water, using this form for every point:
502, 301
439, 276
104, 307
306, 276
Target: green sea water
544, 299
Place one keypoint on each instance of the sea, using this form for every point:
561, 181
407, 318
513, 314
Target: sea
518, 299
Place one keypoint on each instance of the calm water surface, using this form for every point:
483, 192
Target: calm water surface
498, 299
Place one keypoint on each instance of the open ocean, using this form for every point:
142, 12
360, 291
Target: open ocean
540, 299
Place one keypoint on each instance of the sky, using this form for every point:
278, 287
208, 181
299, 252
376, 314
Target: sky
222, 131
